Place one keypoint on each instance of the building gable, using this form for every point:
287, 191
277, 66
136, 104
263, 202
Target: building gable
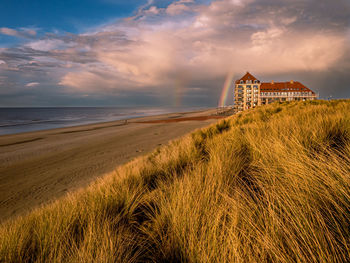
247, 77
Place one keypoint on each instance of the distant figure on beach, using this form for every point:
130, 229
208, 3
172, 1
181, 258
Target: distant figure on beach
125, 122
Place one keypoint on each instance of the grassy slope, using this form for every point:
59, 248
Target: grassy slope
271, 184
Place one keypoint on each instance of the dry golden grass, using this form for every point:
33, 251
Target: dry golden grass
267, 185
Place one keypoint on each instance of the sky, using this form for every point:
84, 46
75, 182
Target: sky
167, 52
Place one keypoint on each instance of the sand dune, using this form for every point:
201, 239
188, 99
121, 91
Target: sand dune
38, 167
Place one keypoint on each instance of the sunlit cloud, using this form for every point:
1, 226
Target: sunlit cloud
210, 45
8, 31
22, 32
179, 7
32, 84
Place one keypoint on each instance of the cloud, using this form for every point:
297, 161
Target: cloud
224, 36
8, 31
187, 48
32, 84
23, 32
152, 10
29, 31
49, 44
179, 7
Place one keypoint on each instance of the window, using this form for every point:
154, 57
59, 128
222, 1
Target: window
241, 82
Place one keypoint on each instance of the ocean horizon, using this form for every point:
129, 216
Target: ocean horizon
28, 119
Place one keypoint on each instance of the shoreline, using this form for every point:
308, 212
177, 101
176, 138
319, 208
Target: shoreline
39, 167
158, 118
7, 127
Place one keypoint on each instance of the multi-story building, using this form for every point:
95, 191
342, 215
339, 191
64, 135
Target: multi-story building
250, 92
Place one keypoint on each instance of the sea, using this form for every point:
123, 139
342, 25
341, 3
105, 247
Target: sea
19, 120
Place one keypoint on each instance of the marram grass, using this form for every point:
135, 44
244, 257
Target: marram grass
268, 185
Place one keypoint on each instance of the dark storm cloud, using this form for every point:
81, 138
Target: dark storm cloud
15, 55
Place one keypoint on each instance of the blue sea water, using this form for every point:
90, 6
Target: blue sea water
18, 120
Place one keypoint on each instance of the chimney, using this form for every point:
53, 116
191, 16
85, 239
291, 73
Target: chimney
292, 82
272, 82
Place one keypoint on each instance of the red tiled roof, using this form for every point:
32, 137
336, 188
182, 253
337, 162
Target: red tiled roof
246, 77
284, 86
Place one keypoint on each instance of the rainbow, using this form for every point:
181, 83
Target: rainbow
225, 89
179, 91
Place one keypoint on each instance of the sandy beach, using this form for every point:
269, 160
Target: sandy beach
38, 167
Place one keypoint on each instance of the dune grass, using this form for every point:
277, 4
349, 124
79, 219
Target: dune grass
268, 185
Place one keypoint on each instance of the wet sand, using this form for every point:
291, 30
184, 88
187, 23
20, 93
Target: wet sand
38, 167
